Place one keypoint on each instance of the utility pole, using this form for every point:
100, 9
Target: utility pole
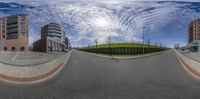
143, 37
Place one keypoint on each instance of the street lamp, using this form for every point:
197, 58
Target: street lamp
143, 38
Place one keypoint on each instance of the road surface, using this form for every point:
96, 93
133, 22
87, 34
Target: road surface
90, 77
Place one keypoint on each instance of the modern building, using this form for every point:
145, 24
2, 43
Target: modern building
67, 43
195, 46
14, 33
54, 31
194, 36
52, 39
176, 46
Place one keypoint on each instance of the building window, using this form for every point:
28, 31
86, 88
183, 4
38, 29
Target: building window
22, 49
5, 48
13, 49
23, 34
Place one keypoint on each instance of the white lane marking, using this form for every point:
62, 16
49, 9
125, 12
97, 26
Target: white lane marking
31, 59
14, 57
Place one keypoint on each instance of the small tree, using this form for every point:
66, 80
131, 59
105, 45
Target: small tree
109, 43
96, 42
132, 42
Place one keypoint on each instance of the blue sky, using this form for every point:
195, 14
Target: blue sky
165, 21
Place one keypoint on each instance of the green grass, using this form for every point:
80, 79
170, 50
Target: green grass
123, 45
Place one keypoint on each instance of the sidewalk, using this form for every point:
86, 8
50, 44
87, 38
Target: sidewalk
192, 55
32, 74
27, 58
189, 62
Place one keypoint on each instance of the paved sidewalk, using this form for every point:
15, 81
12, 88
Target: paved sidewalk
193, 55
32, 74
27, 58
191, 65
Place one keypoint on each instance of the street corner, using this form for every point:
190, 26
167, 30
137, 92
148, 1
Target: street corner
35, 73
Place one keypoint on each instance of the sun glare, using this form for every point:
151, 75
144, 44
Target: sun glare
101, 22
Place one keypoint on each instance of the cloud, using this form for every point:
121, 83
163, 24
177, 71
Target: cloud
123, 20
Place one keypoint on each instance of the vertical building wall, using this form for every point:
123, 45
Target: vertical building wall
54, 31
55, 39
194, 31
15, 34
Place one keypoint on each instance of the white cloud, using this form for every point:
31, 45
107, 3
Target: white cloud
100, 19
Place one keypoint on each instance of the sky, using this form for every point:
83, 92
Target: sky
84, 21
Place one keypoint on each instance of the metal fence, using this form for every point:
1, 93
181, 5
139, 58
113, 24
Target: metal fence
122, 50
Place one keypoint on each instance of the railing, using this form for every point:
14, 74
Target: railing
122, 50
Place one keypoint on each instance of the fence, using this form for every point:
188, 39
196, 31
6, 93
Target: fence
122, 50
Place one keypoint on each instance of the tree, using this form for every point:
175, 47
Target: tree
109, 43
96, 42
132, 42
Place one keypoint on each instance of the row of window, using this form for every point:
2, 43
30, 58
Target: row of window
14, 49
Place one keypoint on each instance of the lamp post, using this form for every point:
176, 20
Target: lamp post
143, 37
96, 42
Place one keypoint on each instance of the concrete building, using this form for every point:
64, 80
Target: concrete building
54, 31
14, 33
194, 46
52, 39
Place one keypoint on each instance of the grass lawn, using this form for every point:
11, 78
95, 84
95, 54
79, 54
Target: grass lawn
123, 45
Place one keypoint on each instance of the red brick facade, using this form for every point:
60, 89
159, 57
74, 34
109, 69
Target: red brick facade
17, 44
19, 40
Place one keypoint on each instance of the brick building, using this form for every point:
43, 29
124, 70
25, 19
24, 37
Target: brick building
14, 33
194, 31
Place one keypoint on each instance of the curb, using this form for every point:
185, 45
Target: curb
187, 66
35, 79
124, 57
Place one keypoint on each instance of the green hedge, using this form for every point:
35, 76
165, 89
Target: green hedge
122, 50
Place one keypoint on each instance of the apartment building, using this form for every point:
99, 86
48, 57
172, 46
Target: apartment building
52, 39
14, 33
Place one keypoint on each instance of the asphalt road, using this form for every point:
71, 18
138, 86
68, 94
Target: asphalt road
90, 77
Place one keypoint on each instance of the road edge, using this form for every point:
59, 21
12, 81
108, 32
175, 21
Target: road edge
35, 79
